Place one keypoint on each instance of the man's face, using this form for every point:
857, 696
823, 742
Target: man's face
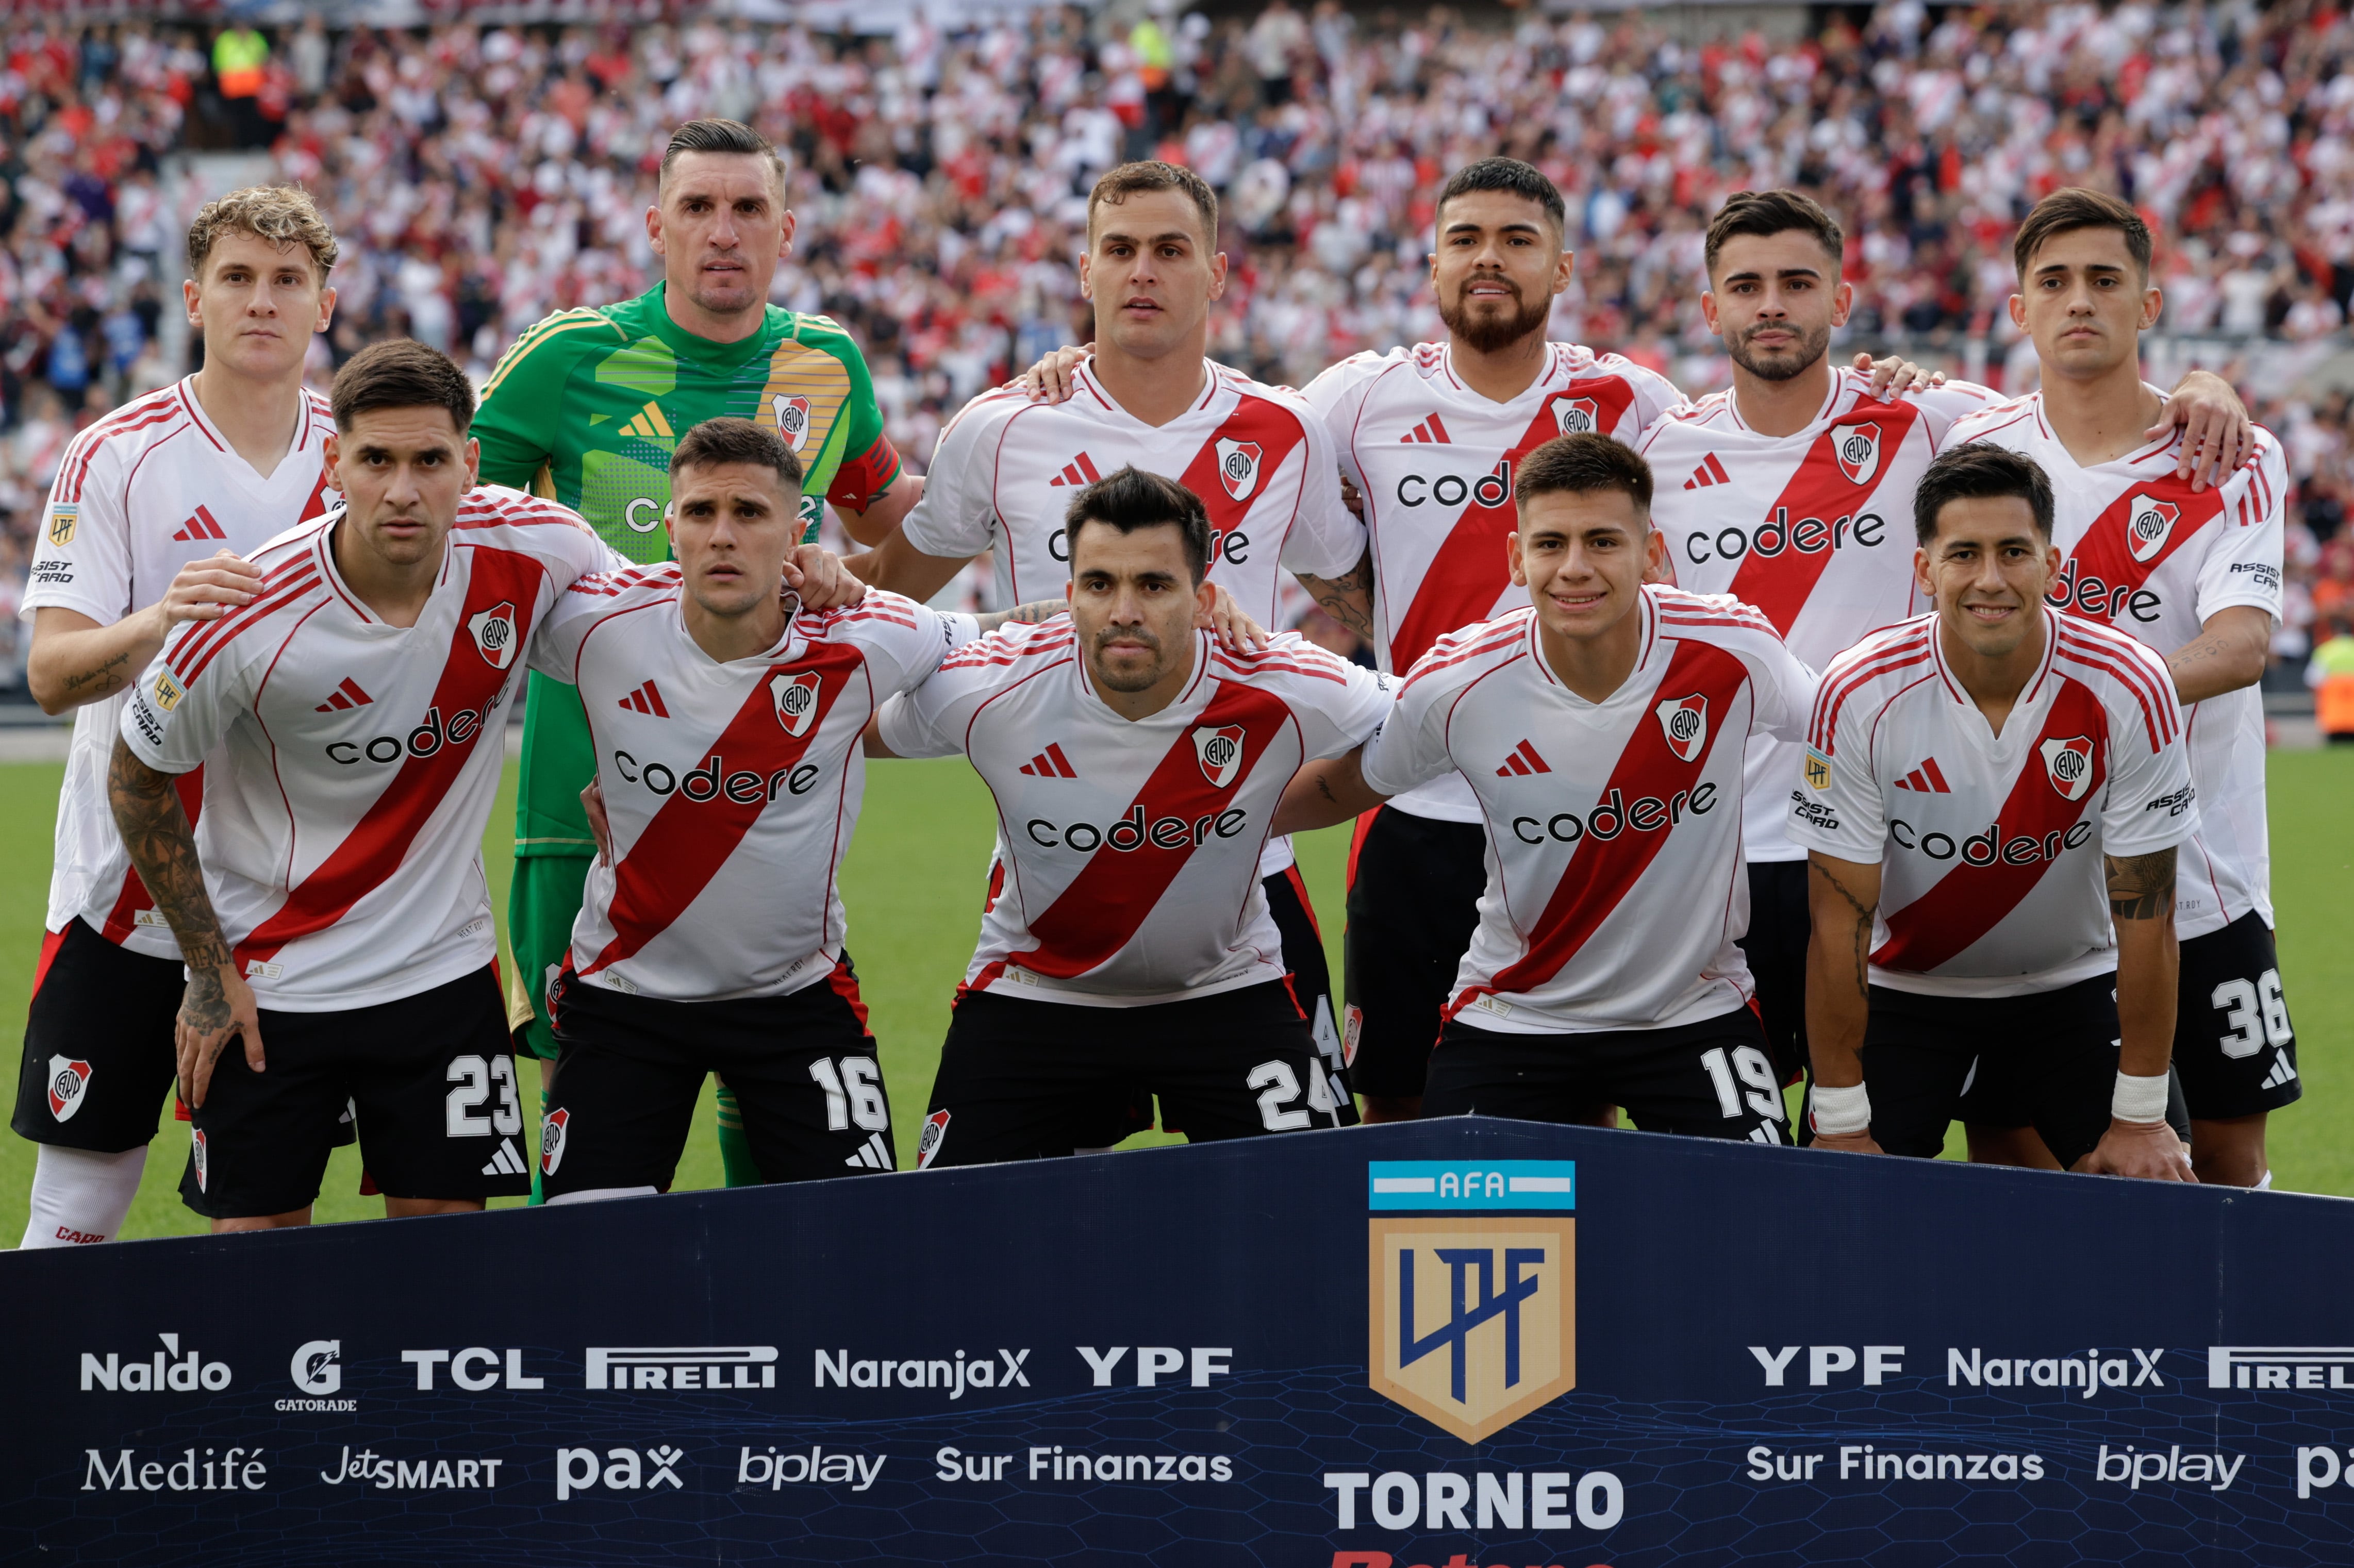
1582, 558
720, 229
257, 305
1132, 603
402, 472
1774, 298
1986, 572
1151, 272
2085, 303
1497, 269
731, 527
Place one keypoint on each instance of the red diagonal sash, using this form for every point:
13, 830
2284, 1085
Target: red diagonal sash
2100, 575
1780, 584
1273, 429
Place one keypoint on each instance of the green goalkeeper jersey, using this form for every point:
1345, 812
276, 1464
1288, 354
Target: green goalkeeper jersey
586, 409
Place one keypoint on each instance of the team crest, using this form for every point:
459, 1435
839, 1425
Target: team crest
1471, 1287
495, 634
796, 701
1577, 416
551, 1141
1858, 451
1238, 467
168, 692
2070, 764
935, 1127
63, 520
68, 1079
1818, 769
792, 420
1220, 752
1684, 721
2148, 525
200, 1157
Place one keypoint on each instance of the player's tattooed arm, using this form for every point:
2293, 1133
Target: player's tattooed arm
886, 508
2141, 886
1348, 597
1322, 794
1038, 612
2141, 897
1843, 899
74, 660
2229, 652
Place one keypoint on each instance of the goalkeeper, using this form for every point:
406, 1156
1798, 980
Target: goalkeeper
586, 408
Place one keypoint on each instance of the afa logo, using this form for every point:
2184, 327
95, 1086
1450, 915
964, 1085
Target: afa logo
792, 420
1219, 750
551, 1141
2148, 524
1577, 416
494, 631
2070, 764
1684, 721
68, 1081
1238, 467
1858, 451
1471, 1290
796, 698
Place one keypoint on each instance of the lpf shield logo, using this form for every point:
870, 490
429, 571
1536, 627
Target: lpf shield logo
1858, 451
1219, 748
2070, 764
2148, 525
1577, 416
68, 1080
1818, 769
495, 633
1238, 467
1472, 1289
1684, 721
792, 420
551, 1141
63, 520
796, 701
168, 692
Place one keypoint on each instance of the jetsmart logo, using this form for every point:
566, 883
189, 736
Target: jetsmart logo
676, 1367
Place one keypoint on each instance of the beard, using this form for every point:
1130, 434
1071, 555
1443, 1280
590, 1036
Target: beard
1486, 333
1133, 678
1783, 364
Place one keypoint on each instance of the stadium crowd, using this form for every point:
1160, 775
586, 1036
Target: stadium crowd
486, 176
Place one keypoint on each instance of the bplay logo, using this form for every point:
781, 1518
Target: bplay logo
168, 1369
617, 1470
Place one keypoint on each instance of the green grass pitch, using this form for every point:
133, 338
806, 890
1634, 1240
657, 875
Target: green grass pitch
913, 881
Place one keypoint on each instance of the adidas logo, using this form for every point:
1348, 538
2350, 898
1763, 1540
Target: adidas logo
2284, 1071
646, 700
1080, 470
1050, 764
200, 526
1430, 430
506, 1161
347, 695
1709, 471
872, 1154
1926, 779
1523, 762
650, 424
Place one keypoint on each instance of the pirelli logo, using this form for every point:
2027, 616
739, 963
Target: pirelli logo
2281, 1366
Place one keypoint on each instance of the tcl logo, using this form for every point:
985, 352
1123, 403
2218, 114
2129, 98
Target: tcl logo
714, 779
1133, 832
1807, 536
1612, 815
1226, 544
1491, 489
425, 740
2093, 596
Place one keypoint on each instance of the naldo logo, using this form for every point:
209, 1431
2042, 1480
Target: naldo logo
167, 1369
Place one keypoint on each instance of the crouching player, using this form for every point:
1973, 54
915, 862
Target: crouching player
1977, 781
1604, 730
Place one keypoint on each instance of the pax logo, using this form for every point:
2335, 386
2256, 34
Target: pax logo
1238, 467
1858, 452
796, 698
67, 1081
792, 420
2148, 524
494, 631
1220, 752
1577, 416
2070, 764
1684, 721
621, 1470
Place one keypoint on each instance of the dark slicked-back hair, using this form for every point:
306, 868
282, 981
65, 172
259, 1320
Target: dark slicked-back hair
731, 439
1118, 184
1763, 213
720, 136
401, 373
2066, 211
1978, 471
1130, 499
1583, 464
1511, 176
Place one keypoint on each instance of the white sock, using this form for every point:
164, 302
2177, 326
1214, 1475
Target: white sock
80, 1197
2265, 1185
599, 1194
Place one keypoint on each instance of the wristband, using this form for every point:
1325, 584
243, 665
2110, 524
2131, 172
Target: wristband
1838, 1111
2138, 1099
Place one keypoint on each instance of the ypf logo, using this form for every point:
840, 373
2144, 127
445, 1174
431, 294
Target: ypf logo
792, 420
1238, 467
1684, 721
495, 633
1472, 1289
1577, 416
796, 698
2070, 764
1219, 750
2148, 524
1858, 452
551, 1141
68, 1080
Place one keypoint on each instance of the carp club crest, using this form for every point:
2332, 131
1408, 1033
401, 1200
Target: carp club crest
1238, 467
1684, 721
2148, 525
1857, 448
1577, 416
493, 631
2070, 764
796, 696
1219, 750
792, 420
68, 1080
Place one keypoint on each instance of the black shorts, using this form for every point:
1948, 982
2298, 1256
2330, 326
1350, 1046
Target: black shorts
1775, 947
2234, 1047
1414, 901
99, 1057
1710, 1079
433, 1079
1025, 1079
628, 1069
2047, 1061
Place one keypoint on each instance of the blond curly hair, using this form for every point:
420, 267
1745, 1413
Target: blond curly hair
280, 215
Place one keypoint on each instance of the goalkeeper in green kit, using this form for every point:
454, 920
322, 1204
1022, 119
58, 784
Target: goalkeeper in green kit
586, 408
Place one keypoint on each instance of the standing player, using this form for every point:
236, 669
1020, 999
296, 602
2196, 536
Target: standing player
2194, 575
587, 407
1127, 946
1974, 781
1259, 458
147, 509
1602, 728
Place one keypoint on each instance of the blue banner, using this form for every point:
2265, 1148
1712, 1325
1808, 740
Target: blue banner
1451, 1344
